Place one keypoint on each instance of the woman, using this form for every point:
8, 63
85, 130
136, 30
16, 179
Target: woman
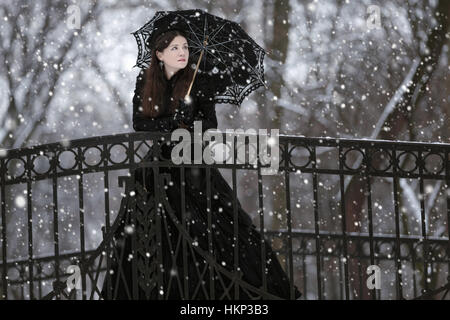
158, 105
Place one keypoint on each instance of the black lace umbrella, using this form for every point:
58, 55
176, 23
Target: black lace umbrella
229, 58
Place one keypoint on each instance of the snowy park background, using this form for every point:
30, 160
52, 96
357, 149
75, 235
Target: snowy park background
335, 68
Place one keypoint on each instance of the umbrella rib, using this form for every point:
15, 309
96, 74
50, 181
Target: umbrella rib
199, 49
196, 51
219, 43
255, 71
205, 27
221, 51
219, 59
189, 25
231, 74
230, 50
216, 32
199, 43
196, 47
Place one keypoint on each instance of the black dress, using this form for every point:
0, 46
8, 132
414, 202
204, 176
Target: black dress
193, 263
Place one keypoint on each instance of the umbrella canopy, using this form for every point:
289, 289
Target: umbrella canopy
230, 59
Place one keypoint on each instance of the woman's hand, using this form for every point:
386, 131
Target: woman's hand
184, 113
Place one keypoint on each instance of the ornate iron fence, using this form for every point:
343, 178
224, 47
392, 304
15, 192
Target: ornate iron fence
346, 205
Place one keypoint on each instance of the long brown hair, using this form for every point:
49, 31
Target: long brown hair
155, 80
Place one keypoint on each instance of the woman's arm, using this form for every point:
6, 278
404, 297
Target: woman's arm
143, 123
205, 107
206, 114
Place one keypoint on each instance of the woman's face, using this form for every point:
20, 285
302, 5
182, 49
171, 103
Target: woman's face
175, 56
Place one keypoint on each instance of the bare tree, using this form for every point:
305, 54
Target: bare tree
34, 59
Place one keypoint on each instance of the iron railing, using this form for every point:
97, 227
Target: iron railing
346, 204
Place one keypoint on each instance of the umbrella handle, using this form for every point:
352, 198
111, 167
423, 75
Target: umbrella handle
205, 42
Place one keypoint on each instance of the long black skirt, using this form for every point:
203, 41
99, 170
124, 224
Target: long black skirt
180, 254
